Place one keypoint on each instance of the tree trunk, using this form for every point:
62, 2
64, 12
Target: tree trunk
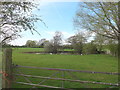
7, 68
119, 35
119, 31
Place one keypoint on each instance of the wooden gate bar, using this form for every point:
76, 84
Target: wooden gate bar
24, 76
47, 78
80, 81
71, 70
40, 85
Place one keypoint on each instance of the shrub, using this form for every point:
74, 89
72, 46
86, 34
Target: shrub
90, 48
113, 49
48, 47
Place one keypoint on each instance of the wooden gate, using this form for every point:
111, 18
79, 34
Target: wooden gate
7, 74
69, 72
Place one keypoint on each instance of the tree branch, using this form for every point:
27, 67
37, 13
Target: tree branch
110, 24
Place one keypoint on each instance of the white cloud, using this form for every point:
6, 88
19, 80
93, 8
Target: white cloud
42, 3
23, 40
46, 34
19, 42
64, 33
50, 32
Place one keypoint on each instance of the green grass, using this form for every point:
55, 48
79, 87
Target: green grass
100, 63
0, 69
68, 49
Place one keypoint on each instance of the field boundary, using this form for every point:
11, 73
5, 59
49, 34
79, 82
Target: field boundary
8, 75
71, 70
62, 71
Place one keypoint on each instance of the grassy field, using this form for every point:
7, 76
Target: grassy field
100, 63
0, 68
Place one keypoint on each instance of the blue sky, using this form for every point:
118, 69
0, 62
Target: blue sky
58, 16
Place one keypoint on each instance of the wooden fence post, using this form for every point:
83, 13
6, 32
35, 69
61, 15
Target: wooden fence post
7, 68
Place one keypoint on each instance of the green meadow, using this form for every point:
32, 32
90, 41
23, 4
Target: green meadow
0, 68
94, 62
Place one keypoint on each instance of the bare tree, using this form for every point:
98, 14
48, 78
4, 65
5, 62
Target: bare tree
54, 45
7, 34
77, 41
99, 17
57, 40
42, 42
16, 17
48, 47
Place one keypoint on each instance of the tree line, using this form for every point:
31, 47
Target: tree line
79, 43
